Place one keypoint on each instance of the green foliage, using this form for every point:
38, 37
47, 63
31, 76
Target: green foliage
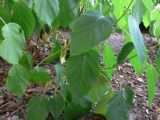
87, 69
18, 77
75, 110
84, 79
99, 88
39, 75
56, 105
118, 107
109, 60
127, 48
137, 38
24, 17
38, 108
47, 10
152, 77
13, 43
26, 60
89, 30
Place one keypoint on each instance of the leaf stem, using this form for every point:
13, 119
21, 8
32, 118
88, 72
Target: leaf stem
48, 57
125, 11
3, 21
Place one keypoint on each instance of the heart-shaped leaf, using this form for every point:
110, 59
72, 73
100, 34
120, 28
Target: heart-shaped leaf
38, 108
82, 71
18, 80
23, 16
89, 30
47, 10
118, 107
56, 105
11, 47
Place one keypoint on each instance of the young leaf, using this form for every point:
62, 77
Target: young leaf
38, 108
82, 71
23, 16
56, 105
118, 107
18, 80
137, 38
109, 60
152, 77
26, 60
39, 75
89, 30
127, 48
99, 88
47, 10
11, 47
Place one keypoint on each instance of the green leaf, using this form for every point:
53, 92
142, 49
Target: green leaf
101, 107
26, 60
137, 38
148, 4
146, 19
118, 107
23, 16
134, 59
136, 62
11, 47
55, 53
119, 9
68, 11
39, 75
155, 28
38, 108
56, 105
109, 60
127, 48
75, 110
158, 62
5, 15
152, 77
138, 11
89, 30
82, 71
60, 74
47, 10
154, 16
99, 88
18, 80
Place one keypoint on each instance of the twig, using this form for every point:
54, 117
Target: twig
18, 109
5, 105
125, 11
2, 21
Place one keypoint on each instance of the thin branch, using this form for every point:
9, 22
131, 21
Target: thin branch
125, 11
